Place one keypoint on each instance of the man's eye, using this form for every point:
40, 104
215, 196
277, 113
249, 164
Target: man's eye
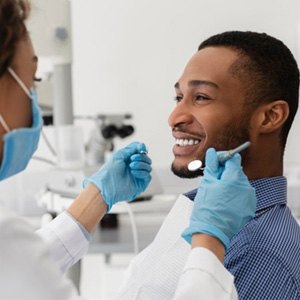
178, 98
201, 98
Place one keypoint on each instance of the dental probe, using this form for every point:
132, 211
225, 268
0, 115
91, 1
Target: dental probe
197, 164
228, 154
143, 152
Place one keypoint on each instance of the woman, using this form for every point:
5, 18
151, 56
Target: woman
22, 252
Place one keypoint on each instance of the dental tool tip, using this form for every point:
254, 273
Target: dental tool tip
143, 152
195, 165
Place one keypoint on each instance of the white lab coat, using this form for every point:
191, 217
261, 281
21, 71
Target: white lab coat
27, 271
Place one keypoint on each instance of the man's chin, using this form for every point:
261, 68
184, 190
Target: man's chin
183, 172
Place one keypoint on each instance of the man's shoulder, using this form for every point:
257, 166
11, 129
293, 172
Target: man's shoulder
275, 229
268, 244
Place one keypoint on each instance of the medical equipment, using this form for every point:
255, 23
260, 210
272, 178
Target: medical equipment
107, 127
197, 164
53, 43
143, 152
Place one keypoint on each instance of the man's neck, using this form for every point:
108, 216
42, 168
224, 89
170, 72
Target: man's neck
263, 168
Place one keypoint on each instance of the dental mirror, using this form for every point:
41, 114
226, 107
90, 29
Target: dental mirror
195, 165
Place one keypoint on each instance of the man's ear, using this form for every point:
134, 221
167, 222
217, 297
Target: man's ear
271, 116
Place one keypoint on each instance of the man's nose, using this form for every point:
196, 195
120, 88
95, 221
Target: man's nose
181, 114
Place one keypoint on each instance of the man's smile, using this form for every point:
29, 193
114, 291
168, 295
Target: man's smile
186, 143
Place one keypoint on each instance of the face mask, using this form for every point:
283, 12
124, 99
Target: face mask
20, 144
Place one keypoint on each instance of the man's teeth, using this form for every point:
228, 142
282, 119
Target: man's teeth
186, 142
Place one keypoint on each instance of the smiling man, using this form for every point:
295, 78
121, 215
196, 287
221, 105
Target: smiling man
238, 86
209, 111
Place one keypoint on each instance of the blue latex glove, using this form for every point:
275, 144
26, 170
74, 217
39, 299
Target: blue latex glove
124, 176
225, 200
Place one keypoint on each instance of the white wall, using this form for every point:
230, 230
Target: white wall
45, 17
129, 53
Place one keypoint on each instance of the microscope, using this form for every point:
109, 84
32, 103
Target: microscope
107, 128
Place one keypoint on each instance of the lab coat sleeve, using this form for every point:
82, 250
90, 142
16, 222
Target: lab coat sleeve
66, 241
204, 277
27, 271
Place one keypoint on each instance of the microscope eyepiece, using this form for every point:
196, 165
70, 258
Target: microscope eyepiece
125, 131
109, 131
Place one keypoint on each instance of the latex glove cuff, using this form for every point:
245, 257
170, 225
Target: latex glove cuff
97, 184
208, 229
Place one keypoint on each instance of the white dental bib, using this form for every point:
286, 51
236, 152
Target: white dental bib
155, 272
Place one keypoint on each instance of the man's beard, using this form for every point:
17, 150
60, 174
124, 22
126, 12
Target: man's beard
231, 137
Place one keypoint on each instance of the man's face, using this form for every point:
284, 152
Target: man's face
209, 110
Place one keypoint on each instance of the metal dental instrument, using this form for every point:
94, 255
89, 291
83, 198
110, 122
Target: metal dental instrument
143, 152
228, 154
197, 164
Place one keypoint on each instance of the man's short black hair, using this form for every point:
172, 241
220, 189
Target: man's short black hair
268, 67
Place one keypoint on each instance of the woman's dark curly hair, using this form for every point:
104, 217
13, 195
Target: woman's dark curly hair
13, 14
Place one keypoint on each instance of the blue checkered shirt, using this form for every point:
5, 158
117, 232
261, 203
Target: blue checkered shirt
264, 256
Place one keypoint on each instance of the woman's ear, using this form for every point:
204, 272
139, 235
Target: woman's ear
271, 116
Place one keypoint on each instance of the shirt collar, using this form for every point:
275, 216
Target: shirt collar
270, 191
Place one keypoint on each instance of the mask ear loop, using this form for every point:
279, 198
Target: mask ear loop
19, 81
3, 123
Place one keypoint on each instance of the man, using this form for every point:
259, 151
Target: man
239, 86
27, 271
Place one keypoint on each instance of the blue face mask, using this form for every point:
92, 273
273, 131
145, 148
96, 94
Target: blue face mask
20, 144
